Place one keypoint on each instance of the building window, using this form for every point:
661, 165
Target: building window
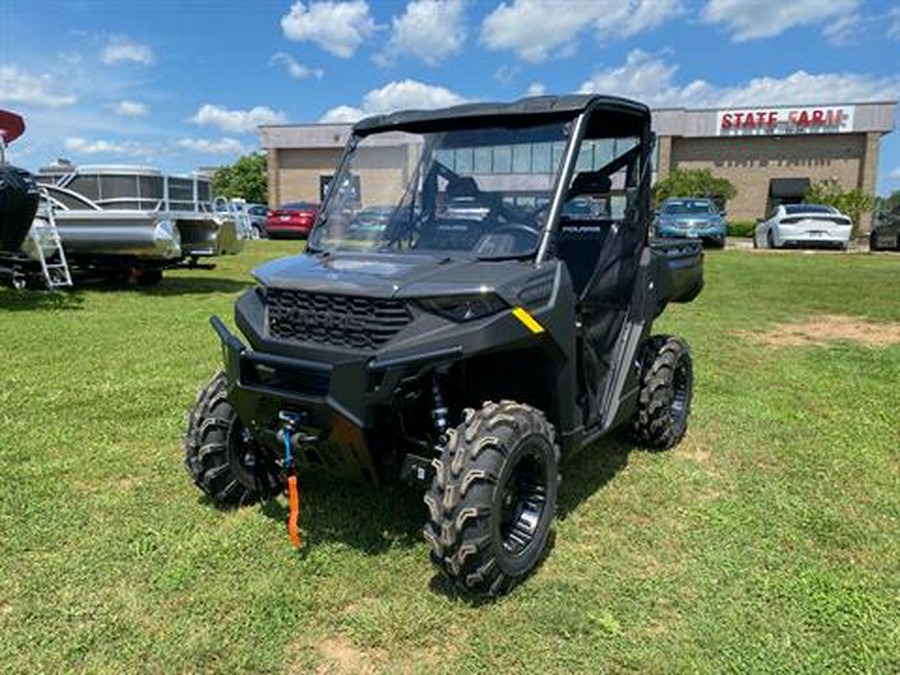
541, 158
503, 159
604, 153
464, 161
445, 157
522, 158
483, 160
585, 157
559, 149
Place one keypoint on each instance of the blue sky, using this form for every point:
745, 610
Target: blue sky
184, 84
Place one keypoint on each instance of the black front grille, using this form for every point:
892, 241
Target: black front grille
337, 320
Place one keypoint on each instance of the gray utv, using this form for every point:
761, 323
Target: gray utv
494, 321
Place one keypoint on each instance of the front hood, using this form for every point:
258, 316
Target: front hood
387, 275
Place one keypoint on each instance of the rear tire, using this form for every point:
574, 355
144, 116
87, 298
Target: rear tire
664, 401
221, 456
493, 497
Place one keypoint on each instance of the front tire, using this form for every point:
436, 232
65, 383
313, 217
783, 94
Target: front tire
221, 456
770, 240
664, 401
493, 497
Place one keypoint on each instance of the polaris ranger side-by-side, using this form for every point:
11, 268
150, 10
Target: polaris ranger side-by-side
497, 321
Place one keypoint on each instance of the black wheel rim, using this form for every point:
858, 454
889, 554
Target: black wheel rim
245, 457
681, 389
523, 503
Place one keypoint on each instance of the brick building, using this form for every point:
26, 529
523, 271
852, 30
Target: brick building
770, 154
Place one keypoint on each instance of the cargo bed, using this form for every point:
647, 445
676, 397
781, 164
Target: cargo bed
684, 261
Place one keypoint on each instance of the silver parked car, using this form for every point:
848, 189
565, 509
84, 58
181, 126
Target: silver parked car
804, 225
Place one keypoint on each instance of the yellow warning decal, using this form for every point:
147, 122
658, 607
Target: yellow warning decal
528, 320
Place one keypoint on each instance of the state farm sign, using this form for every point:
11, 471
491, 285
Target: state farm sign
764, 121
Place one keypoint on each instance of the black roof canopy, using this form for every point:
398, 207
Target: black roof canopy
523, 111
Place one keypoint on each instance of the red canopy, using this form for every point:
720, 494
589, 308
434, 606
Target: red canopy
11, 126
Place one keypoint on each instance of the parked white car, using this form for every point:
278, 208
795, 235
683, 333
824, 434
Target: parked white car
804, 225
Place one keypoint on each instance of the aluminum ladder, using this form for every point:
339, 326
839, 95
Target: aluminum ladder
54, 265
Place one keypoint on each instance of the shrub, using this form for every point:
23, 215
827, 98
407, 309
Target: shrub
741, 228
852, 203
693, 183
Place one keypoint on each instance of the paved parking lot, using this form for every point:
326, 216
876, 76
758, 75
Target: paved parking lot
860, 245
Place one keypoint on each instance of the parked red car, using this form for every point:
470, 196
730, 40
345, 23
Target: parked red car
293, 220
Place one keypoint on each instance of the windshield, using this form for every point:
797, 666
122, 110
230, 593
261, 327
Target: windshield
689, 206
809, 208
479, 193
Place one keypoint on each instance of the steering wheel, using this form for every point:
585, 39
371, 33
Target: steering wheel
493, 243
512, 228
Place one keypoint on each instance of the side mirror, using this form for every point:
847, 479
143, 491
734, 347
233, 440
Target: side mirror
760, 220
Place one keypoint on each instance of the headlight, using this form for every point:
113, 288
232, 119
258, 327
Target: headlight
463, 307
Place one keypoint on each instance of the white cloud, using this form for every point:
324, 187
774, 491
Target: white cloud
131, 109
96, 147
752, 19
337, 27
19, 87
120, 49
536, 89
506, 74
294, 68
430, 30
409, 94
237, 121
894, 28
342, 114
895, 174
224, 146
536, 29
402, 95
652, 79
848, 29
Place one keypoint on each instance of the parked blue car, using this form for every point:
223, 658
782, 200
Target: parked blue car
690, 217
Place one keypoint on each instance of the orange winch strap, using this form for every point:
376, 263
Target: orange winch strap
294, 513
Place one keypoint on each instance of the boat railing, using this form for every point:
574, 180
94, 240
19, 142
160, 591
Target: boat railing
182, 194
56, 195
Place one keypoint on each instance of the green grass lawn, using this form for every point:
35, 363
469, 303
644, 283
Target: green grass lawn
768, 541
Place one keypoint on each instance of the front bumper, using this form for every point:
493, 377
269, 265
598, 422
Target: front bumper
335, 401
716, 233
282, 230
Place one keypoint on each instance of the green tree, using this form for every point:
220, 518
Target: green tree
694, 183
247, 178
852, 203
888, 203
